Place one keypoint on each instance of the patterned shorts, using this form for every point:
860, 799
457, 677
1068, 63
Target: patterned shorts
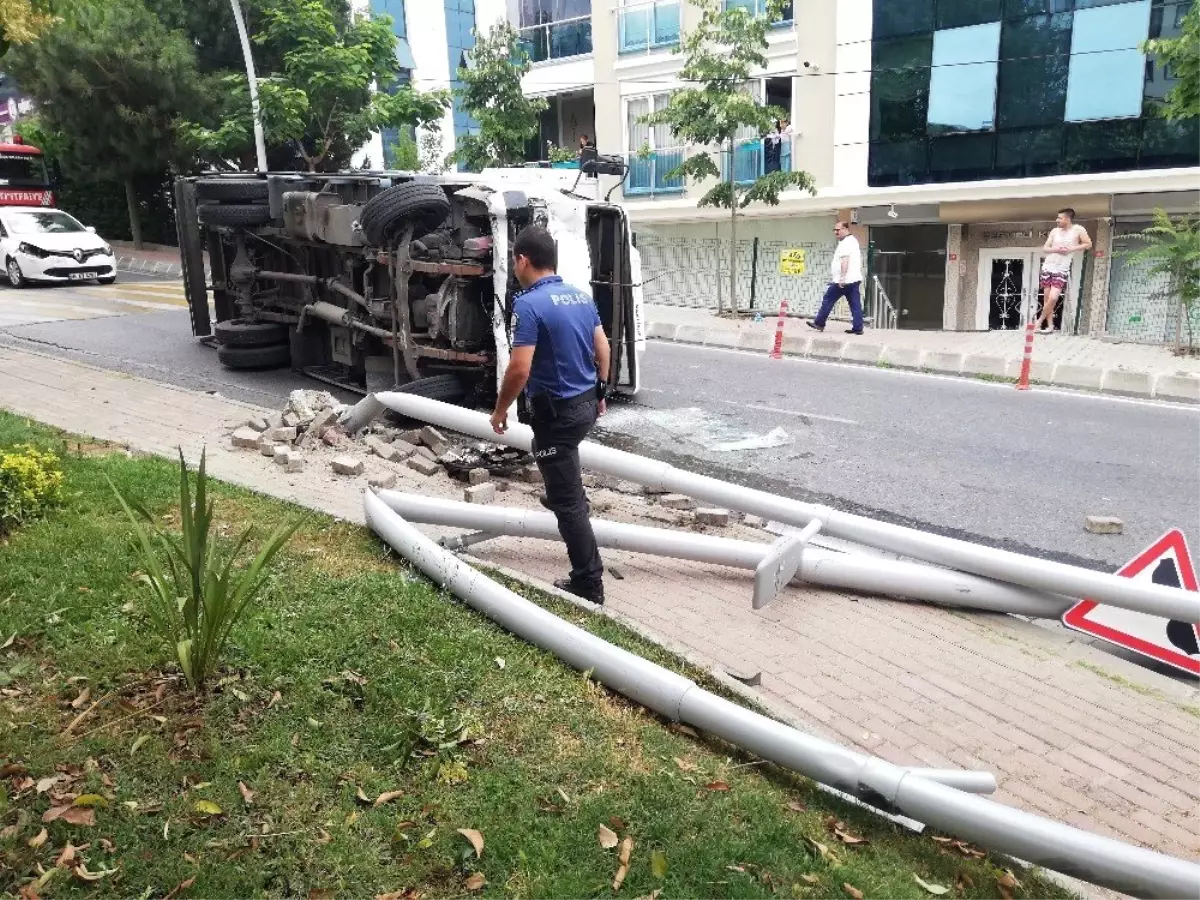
1054, 280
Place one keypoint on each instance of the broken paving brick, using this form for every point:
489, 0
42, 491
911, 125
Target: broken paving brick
1103, 525
431, 436
422, 464
282, 452
324, 419
677, 501
383, 482
285, 434
402, 449
295, 461
246, 437
530, 474
712, 516
347, 465
378, 446
480, 493
479, 476
258, 423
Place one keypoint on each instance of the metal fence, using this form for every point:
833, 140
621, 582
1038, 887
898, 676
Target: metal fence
693, 271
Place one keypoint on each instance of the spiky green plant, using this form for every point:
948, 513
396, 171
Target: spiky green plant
197, 597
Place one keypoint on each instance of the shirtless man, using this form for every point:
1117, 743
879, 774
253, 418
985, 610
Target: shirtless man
1064, 240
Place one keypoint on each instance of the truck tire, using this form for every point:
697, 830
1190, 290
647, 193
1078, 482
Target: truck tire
244, 333
231, 190
215, 214
271, 357
446, 388
426, 206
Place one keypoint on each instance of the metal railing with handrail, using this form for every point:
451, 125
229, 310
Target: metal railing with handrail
882, 313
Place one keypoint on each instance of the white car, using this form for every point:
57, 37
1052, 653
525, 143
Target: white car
38, 244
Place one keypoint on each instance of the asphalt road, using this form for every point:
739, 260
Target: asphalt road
139, 325
960, 457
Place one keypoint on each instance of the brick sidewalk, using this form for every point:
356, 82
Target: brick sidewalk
1071, 732
1138, 370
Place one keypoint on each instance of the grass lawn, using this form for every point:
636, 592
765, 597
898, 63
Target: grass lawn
361, 718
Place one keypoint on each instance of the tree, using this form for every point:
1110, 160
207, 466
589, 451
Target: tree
1182, 56
320, 98
722, 52
491, 94
110, 81
1173, 251
21, 21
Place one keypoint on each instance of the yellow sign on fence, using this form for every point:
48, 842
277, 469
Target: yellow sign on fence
791, 262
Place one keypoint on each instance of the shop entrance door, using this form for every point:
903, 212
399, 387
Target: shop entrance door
1009, 293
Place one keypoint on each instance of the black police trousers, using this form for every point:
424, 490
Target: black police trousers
556, 451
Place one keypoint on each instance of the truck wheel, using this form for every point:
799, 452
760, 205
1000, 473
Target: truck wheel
424, 205
244, 333
447, 388
231, 190
216, 214
254, 357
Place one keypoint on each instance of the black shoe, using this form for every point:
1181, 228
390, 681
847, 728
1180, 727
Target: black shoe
591, 594
852, 331
814, 326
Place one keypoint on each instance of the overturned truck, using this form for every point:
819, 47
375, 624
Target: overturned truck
377, 281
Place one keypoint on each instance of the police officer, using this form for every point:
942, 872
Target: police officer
559, 355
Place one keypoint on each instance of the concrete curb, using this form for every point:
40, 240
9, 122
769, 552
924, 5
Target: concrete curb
1119, 382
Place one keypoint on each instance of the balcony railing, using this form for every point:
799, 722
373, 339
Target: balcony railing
558, 40
648, 173
754, 158
759, 8
648, 26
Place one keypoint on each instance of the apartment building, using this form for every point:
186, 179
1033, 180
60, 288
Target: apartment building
949, 131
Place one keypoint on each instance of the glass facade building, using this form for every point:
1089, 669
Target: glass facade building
965, 90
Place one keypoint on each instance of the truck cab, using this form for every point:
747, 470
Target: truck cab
389, 280
24, 180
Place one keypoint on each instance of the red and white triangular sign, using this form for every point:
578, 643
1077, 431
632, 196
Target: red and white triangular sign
1168, 562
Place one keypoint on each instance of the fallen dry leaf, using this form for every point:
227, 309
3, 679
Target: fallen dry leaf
476, 839
717, 786
361, 798
9, 642
8, 770
247, 794
1008, 880
323, 836
811, 879
138, 744
653, 895
67, 859
685, 729
44, 784
387, 797
38, 839
623, 863
75, 815
475, 882
106, 845
9, 831
83, 698
852, 890
658, 864
180, 888
275, 698
81, 872
796, 806
406, 894
564, 796
935, 889
684, 765
607, 837
207, 808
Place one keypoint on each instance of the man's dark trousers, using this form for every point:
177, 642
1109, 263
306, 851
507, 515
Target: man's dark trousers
852, 294
556, 451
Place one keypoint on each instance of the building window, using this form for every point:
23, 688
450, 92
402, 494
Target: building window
1108, 72
555, 29
395, 9
648, 25
651, 149
759, 8
962, 86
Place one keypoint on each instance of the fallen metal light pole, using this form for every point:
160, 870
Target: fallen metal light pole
869, 574
1003, 565
1059, 847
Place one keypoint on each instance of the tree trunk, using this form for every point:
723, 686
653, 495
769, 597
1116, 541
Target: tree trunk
733, 307
135, 215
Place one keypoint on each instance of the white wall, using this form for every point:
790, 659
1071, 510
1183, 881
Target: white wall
852, 85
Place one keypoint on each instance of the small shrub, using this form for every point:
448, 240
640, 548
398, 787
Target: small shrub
195, 597
30, 484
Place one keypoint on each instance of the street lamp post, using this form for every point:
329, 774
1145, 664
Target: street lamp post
260, 142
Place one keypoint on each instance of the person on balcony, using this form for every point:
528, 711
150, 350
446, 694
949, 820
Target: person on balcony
773, 146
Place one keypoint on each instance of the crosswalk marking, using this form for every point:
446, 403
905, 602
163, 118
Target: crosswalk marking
87, 301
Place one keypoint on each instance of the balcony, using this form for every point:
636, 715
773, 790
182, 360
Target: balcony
751, 159
557, 40
648, 26
759, 8
648, 174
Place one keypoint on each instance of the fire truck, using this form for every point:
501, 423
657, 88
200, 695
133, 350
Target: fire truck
24, 180
390, 280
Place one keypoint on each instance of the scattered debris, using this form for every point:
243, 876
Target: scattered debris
480, 493
677, 501
749, 680
422, 464
478, 476
712, 516
1103, 525
258, 423
383, 482
246, 437
283, 435
754, 522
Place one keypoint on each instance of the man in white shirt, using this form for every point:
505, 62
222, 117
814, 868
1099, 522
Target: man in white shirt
1063, 241
846, 272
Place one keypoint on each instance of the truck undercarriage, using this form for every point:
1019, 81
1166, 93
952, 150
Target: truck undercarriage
376, 281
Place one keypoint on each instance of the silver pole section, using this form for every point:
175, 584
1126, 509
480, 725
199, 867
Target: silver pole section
260, 142
868, 574
1003, 565
1062, 848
